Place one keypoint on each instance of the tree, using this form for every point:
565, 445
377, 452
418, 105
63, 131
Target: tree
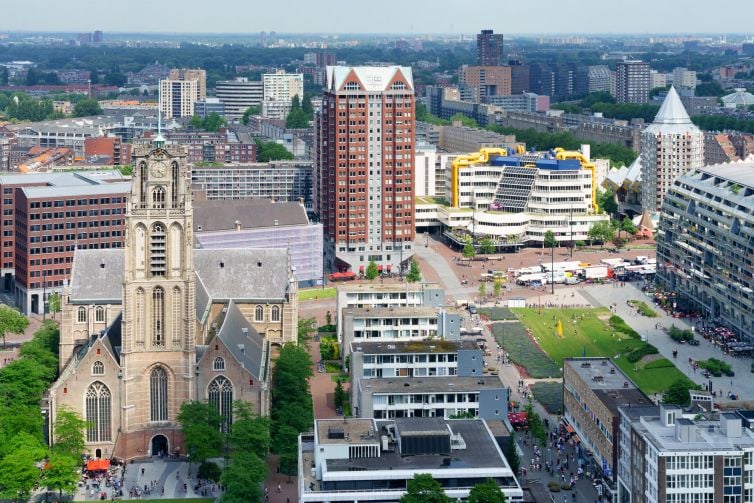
606, 202
600, 231
306, 327
627, 226
201, 423
511, 454
424, 489
536, 426
297, 118
414, 274
243, 478
12, 322
18, 471
486, 245
54, 303
116, 79
271, 151
249, 432
86, 108
372, 271
306, 105
550, 240
253, 110
465, 121
340, 395
61, 473
3, 76
678, 393
468, 248
497, 287
482, 290
486, 492
68, 433
94, 77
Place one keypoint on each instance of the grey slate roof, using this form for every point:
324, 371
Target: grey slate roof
243, 273
246, 274
244, 342
97, 275
222, 215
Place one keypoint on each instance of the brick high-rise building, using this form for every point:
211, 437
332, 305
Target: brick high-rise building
489, 49
481, 82
364, 152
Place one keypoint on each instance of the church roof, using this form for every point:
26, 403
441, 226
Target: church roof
672, 116
244, 342
224, 274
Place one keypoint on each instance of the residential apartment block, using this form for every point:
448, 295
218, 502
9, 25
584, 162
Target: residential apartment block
489, 49
177, 98
478, 83
279, 89
364, 154
632, 82
238, 95
705, 243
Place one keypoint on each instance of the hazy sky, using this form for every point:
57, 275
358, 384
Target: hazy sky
394, 16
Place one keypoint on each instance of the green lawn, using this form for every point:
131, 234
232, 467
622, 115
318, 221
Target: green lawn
591, 335
550, 395
523, 351
317, 293
161, 500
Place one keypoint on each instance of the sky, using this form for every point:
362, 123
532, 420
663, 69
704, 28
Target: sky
382, 16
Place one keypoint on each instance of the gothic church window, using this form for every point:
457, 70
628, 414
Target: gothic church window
98, 413
177, 318
139, 316
259, 313
98, 368
275, 314
158, 250
158, 197
221, 397
99, 314
174, 184
218, 364
158, 394
158, 317
81, 315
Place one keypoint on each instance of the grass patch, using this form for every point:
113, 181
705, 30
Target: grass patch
523, 351
497, 313
643, 308
332, 368
317, 293
340, 376
181, 500
591, 336
661, 363
550, 395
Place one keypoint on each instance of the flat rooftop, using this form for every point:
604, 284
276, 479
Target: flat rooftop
430, 384
423, 346
355, 431
599, 373
709, 436
386, 286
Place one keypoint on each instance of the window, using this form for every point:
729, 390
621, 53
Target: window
221, 397
218, 364
158, 317
139, 315
158, 197
81, 316
98, 413
157, 250
99, 314
158, 396
177, 318
275, 314
259, 313
98, 368
174, 184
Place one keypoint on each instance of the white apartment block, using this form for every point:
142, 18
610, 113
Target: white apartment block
657, 79
238, 95
670, 146
177, 98
685, 78
279, 90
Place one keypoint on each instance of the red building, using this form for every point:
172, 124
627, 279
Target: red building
364, 154
110, 149
45, 217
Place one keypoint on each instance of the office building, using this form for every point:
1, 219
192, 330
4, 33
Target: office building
363, 160
199, 75
386, 295
177, 98
705, 244
524, 102
207, 106
481, 82
275, 180
238, 95
429, 171
599, 79
667, 455
670, 146
158, 324
369, 460
632, 82
45, 216
262, 224
519, 77
684, 78
593, 390
279, 89
489, 49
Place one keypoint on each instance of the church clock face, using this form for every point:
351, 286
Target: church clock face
159, 169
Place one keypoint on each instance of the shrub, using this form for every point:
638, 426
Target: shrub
553, 487
662, 363
679, 335
617, 324
565, 487
643, 308
716, 367
209, 470
640, 352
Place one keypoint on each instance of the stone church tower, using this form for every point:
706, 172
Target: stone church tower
158, 351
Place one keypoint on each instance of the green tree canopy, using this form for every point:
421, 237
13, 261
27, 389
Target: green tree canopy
212, 122
12, 322
601, 231
253, 110
414, 274
424, 489
678, 393
306, 105
297, 118
627, 226
468, 248
68, 433
372, 271
340, 394
61, 473
465, 121
201, 423
606, 201
18, 470
86, 108
272, 151
486, 492
550, 241
486, 245
243, 478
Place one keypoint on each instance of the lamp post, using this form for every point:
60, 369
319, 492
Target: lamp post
570, 224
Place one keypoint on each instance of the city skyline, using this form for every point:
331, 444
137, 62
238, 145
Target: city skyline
593, 17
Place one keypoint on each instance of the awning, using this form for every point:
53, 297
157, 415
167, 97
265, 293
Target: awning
576, 439
96, 465
361, 268
569, 428
517, 417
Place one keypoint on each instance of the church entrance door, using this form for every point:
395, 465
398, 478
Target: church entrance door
159, 445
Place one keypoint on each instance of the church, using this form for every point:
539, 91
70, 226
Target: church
157, 323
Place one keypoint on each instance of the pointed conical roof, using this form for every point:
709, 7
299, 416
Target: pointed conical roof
672, 110
672, 117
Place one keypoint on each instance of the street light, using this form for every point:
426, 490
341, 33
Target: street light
570, 223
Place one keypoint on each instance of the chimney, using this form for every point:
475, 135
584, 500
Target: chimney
668, 414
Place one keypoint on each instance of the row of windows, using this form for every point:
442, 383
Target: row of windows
274, 313
99, 314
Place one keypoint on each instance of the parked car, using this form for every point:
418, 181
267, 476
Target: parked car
472, 308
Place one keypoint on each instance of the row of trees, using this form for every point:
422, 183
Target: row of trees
486, 247
425, 489
212, 122
301, 113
